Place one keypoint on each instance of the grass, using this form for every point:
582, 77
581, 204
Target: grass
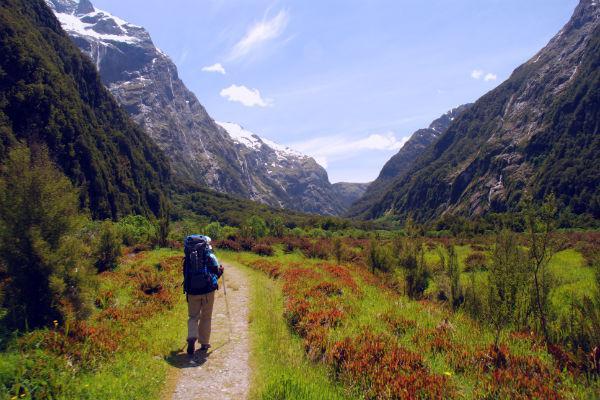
279, 365
455, 359
138, 370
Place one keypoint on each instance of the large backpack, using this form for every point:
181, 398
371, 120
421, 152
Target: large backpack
198, 279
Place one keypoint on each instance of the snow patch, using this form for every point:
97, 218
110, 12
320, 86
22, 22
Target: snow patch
241, 135
252, 140
282, 151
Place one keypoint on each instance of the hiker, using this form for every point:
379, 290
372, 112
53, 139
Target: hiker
201, 271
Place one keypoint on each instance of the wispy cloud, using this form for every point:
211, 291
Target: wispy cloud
477, 74
339, 147
246, 96
183, 56
260, 32
214, 68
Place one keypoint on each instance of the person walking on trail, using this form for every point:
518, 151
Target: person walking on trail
201, 271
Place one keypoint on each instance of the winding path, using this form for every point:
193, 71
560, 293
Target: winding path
224, 372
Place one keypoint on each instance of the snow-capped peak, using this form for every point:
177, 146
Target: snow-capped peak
252, 140
92, 22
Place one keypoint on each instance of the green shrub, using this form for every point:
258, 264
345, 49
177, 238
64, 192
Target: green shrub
108, 248
254, 228
47, 265
379, 257
214, 231
137, 229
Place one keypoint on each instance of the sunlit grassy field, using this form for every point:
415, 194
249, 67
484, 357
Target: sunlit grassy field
451, 351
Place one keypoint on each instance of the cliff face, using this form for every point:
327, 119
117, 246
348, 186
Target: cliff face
537, 131
145, 82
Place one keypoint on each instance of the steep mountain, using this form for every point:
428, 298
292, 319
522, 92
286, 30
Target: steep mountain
537, 131
283, 177
402, 161
51, 95
145, 82
348, 192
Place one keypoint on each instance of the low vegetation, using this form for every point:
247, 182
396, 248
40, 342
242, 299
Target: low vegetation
338, 311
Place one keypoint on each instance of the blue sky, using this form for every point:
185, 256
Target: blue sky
345, 81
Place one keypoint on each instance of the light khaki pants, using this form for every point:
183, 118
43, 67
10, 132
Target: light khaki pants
200, 315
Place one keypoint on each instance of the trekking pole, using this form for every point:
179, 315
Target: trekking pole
226, 306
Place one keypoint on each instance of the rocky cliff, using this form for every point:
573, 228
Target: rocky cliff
145, 82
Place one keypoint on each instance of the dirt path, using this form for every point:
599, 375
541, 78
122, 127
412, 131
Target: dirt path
224, 372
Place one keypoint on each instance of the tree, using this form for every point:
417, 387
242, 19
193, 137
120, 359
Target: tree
47, 266
277, 226
338, 249
254, 228
163, 228
539, 222
507, 283
412, 260
214, 230
379, 257
452, 272
108, 249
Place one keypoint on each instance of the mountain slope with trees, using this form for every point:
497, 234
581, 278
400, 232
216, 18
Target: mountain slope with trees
51, 96
536, 132
402, 161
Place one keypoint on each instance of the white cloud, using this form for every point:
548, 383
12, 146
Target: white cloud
259, 33
339, 147
214, 68
479, 73
476, 74
246, 96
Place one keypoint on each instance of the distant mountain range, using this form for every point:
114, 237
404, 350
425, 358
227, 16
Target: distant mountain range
145, 82
537, 131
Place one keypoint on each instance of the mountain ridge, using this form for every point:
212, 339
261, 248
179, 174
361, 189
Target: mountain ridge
537, 131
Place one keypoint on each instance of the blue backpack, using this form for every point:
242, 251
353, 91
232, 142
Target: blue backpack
198, 278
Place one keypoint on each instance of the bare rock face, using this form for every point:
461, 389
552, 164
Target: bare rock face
538, 131
145, 82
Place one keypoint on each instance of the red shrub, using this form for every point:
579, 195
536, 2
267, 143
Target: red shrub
516, 377
382, 369
398, 324
262, 249
228, 244
343, 276
317, 249
271, 268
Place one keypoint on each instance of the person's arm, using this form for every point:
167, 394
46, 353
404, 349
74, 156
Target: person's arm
215, 267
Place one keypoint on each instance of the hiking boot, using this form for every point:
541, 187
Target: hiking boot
204, 347
190, 346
